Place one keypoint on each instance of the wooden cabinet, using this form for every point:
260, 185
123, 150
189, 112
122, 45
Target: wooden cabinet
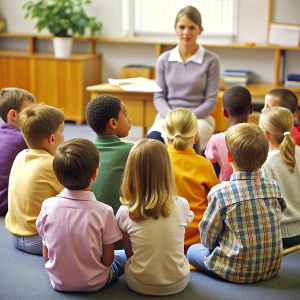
57, 82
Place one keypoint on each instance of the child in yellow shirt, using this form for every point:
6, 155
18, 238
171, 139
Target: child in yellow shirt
194, 174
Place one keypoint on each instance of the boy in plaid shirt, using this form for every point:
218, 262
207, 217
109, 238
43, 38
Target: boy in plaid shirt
240, 229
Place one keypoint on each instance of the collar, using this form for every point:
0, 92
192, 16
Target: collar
107, 138
10, 127
77, 195
37, 151
240, 175
196, 58
185, 151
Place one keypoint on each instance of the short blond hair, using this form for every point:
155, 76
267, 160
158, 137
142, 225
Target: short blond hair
39, 121
13, 98
180, 127
148, 186
248, 146
278, 120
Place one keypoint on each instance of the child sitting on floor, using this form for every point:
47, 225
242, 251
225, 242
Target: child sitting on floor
240, 230
236, 107
12, 102
32, 178
194, 174
108, 118
284, 98
85, 241
153, 220
283, 165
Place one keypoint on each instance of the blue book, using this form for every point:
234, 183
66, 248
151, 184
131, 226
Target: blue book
238, 73
293, 77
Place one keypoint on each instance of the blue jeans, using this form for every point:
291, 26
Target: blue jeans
31, 244
118, 266
196, 255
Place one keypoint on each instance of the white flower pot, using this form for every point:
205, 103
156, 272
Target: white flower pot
62, 46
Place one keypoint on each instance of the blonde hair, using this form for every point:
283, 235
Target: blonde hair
13, 98
191, 13
248, 146
148, 186
278, 120
180, 127
39, 121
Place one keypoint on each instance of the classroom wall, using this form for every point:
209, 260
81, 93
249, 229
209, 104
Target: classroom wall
252, 27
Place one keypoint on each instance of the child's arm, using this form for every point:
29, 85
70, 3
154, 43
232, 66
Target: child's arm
127, 245
108, 255
45, 253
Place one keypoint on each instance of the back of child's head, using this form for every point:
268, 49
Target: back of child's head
75, 162
100, 110
279, 121
237, 101
180, 126
38, 122
286, 98
148, 186
248, 146
13, 98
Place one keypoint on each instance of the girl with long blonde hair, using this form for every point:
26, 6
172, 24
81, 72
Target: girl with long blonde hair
283, 165
153, 219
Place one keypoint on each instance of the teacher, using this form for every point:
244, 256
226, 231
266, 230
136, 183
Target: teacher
189, 77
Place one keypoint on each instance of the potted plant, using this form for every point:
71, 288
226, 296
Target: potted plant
64, 19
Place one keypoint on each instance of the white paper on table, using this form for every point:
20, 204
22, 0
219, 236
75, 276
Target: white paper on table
137, 84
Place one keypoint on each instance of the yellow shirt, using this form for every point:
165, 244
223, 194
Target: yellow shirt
194, 176
31, 181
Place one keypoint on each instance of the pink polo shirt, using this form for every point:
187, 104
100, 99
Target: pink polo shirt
216, 151
74, 226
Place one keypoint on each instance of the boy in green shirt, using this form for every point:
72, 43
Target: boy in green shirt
108, 118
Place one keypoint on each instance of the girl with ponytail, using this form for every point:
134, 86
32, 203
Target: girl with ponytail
194, 174
283, 165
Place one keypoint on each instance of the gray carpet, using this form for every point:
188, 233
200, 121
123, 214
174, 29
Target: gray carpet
23, 277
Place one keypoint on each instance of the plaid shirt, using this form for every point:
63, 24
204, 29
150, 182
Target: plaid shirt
241, 226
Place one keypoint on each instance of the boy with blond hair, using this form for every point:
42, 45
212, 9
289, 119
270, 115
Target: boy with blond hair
85, 242
12, 102
32, 178
240, 229
285, 98
107, 116
236, 107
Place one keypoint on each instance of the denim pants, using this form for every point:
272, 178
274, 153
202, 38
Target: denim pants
31, 244
196, 256
118, 266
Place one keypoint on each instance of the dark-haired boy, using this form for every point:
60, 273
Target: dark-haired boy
77, 230
236, 107
32, 178
108, 118
12, 102
285, 98
240, 230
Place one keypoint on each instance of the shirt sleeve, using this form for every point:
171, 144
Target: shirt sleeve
211, 150
189, 215
211, 91
211, 224
120, 217
112, 232
41, 220
160, 98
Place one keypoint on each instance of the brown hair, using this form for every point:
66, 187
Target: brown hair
278, 120
183, 122
75, 162
286, 98
248, 146
190, 12
148, 186
39, 121
13, 98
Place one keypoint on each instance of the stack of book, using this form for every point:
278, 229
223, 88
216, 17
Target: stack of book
293, 81
236, 77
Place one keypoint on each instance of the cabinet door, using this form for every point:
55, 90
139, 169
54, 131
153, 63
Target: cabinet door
14, 73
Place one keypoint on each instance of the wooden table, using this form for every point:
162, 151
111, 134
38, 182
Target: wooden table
139, 105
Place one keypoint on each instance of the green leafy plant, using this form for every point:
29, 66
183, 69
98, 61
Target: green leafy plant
63, 18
